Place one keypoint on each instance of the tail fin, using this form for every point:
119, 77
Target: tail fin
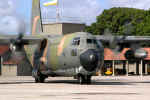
36, 17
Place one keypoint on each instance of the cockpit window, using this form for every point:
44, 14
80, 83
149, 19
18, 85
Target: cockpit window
95, 41
98, 44
91, 41
76, 41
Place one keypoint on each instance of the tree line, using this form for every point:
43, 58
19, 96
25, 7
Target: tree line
122, 21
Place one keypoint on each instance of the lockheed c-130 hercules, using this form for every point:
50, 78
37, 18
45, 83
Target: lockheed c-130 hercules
79, 55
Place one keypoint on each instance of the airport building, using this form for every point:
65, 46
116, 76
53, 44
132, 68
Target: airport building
63, 28
117, 64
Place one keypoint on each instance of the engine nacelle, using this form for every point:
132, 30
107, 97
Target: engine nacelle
17, 53
136, 54
140, 53
129, 54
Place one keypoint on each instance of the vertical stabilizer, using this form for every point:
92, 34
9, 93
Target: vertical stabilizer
36, 17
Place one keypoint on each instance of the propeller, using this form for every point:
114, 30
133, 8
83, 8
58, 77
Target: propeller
17, 43
117, 43
17, 48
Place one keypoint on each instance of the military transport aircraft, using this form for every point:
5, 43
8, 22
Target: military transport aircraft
79, 55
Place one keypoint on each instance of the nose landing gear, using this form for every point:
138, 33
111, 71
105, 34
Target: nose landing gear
84, 79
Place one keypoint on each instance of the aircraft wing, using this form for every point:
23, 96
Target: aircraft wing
7, 39
124, 39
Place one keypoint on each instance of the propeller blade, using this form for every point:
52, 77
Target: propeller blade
115, 42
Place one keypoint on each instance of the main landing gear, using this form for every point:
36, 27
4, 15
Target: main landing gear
84, 79
39, 77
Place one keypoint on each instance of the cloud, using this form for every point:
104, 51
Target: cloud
84, 9
6, 7
11, 25
140, 4
75, 10
10, 22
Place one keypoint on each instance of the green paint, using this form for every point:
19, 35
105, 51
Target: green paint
35, 2
53, 57
54, 62
30, 51
68, 40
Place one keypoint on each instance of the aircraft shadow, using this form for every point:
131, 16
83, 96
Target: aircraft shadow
148, 82
111, 83
70, 82
93, 82
27, 82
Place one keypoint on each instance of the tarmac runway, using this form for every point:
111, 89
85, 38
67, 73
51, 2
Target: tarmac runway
61, 88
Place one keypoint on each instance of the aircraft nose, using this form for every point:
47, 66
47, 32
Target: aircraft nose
89, 60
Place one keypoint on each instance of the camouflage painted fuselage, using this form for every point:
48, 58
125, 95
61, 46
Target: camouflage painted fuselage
61, 55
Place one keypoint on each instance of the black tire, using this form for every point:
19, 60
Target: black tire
36, 80
40, 79
88, 80
81, 79
84, 79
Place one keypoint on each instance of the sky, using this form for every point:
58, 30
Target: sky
15, 15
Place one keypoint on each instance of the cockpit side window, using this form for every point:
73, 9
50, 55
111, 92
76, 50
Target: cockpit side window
89, 41
94, 42
76, 41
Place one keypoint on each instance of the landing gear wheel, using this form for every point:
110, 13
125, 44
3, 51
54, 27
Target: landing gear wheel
88, 79
40, 79
81, 79
84, 79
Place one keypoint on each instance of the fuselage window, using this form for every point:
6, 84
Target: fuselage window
76, 41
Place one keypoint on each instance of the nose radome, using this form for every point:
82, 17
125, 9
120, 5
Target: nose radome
89, 60
92, 57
